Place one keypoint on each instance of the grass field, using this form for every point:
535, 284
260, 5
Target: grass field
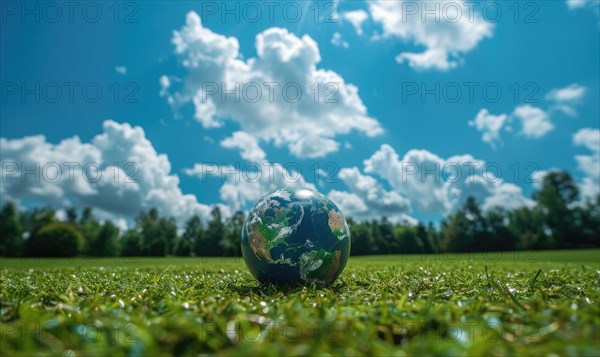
540, 304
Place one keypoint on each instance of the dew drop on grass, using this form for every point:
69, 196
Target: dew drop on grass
230, 331
459, 335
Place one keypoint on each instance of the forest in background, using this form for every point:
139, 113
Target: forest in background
558, 220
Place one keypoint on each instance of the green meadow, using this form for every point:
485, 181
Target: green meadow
502, 304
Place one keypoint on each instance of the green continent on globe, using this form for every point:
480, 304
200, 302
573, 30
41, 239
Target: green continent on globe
319, 266
295, 235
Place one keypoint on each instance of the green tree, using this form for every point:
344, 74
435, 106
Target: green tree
158, 233
464, 230
193, 236
152, 243
168, 230
424, 239
361, 238
380, 245
107, 240
407, 240
499, 236
35, 219
11, 231
528, 225
131, 243
382, 235
184, 246
231, 241
72, 215
587, 219
215, 232
555, 197
90, 227
558, 187
434, 237
55, 240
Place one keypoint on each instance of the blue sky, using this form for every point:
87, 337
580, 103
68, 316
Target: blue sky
543, 56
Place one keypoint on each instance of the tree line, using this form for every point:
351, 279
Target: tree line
558, 220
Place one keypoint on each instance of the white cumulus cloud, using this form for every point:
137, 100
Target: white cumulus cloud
535, 122
337, 40
436, 185
356, 18
121, 70
247, 144
577, 4
367, 198
280, 96
490, 125
568, 94
118, 172
446, 29
566, 98
422, 182
244, 185
589, 164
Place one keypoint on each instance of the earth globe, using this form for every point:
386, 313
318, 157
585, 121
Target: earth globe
295, 236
